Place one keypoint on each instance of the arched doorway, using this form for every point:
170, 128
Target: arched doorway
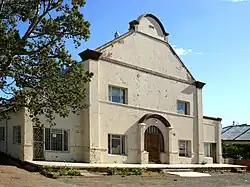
154, 143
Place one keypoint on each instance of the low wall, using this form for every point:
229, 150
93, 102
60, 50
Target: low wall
243, 163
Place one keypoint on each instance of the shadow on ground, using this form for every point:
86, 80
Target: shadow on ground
7, 161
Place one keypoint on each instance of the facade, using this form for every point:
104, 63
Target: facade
144, 107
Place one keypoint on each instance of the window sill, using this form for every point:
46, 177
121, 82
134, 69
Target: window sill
117, 155
181, 114
117, 103
50, 151
185, 156
16, 143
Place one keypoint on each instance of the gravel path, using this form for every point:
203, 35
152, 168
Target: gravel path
12, 176
216, 180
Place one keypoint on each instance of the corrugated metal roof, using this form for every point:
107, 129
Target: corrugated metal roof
236, 132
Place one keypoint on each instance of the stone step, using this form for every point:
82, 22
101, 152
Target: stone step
176, 170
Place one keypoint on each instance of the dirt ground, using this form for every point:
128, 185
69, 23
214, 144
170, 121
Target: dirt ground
12, 176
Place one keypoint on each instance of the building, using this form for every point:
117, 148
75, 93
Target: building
145, 106
236, 134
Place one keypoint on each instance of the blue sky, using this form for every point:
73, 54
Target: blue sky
212, 36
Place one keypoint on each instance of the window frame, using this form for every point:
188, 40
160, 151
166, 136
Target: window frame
186, 107
207, 152
187, 148
122, 138
15, 139
51, 131
122, 90
3, 136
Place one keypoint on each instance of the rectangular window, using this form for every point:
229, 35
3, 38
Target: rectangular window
117, 95
56, 140
116, 144
183, 107
16, 134
2, 134
184, 148
207, 149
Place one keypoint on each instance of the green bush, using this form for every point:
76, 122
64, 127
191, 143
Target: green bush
236, 151
124, 171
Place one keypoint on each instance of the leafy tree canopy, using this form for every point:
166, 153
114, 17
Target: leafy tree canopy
36, 70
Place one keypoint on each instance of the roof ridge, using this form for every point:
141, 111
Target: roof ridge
241, 134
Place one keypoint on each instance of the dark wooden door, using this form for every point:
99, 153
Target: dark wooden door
153, 143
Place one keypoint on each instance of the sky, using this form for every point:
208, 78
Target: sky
212, 38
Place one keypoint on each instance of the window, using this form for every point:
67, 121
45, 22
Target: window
184, 148
2, 134
183, 107
16, 134
207, 149
116, 144
117, 94
56, 139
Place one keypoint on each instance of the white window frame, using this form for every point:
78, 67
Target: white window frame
122, 139
17, 134
186, 110
53, 131
207, 149
123, 93
187, 148
2, 136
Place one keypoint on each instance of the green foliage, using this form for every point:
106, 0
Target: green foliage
236, 151
36, 69
124, 171
69, 172
56, 172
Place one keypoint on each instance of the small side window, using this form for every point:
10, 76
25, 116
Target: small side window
183, 107
117, 94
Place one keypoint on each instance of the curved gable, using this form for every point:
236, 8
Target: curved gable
151, 22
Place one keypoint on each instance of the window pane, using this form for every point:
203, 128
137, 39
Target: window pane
123, 145
181, 108
56, 142
207, 149
66, 147
110, 93
109, 147
16, 134
47, 139
182, 148
116, 146
116, 136
116, 99
2, 133
116, 94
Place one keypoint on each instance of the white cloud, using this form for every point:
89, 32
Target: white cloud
182, 51
199, 53
237, 1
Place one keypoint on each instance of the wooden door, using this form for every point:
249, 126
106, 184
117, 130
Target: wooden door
153, 143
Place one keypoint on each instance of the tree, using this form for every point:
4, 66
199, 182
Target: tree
36, 69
